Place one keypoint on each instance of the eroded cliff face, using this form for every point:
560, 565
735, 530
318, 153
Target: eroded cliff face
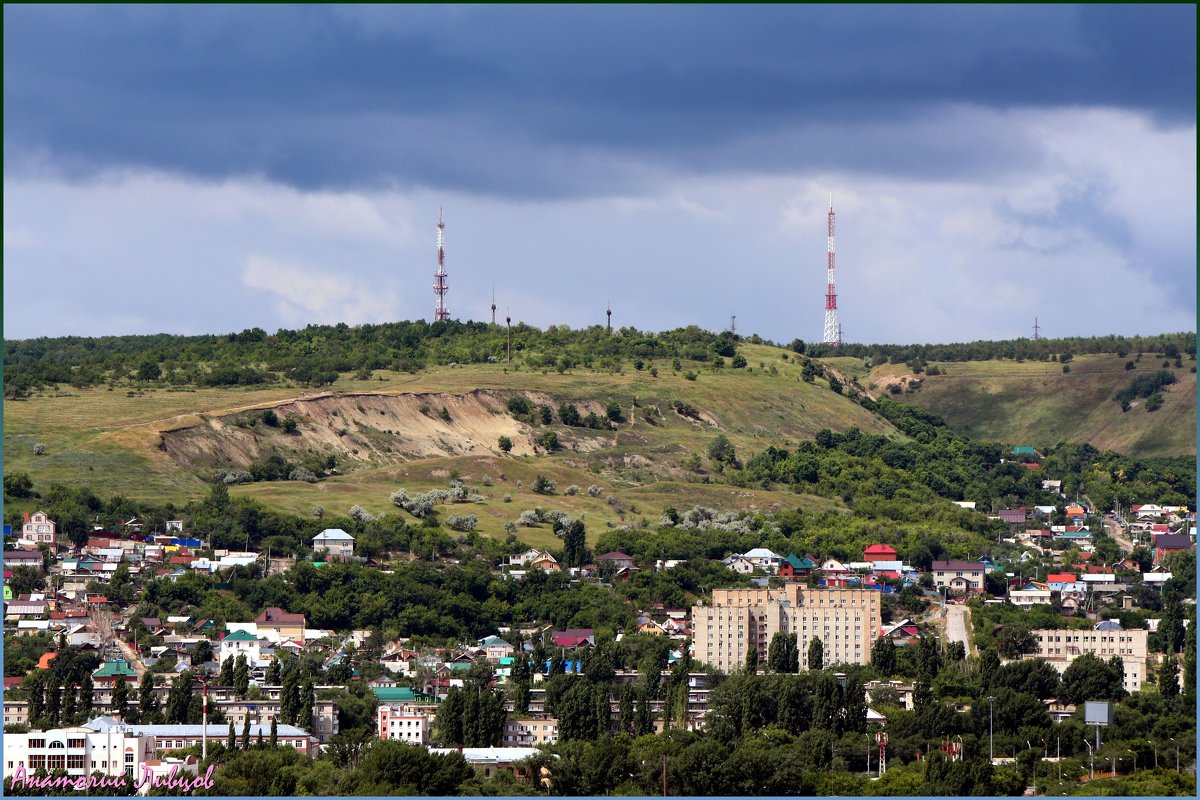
370, 428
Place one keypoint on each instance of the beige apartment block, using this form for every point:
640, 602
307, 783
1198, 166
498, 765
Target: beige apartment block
846, 621
1061, 647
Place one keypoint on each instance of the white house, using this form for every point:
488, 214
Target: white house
335, 542
241, 643
764, 559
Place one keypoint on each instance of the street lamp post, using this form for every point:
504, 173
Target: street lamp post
1092, 752
991, 741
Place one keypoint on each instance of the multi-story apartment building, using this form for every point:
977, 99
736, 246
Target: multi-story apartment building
1061, 647
403, 725
530, 732
845, 620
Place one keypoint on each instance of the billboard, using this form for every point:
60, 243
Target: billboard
1098, 713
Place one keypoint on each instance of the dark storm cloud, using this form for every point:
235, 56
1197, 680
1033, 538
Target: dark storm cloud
541, 102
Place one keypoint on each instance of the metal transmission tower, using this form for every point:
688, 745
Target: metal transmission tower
832, 333
1036, 330
493, 304
440, 312
732, 322
608, 325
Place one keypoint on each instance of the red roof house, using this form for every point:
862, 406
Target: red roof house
879, 552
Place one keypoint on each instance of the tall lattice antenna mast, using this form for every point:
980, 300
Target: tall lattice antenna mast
440, 312
832, 333
608, 324
493, 304
1037, 332
732, 322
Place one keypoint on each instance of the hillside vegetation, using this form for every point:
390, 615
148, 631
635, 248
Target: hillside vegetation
613, 428
1036, 403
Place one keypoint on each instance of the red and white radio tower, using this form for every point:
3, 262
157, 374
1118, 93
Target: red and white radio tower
440, 311
833, 333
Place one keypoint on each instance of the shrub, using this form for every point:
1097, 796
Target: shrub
550, 441
571, 490
486, 480
689, 375
462, 523
511, 527
613, 410
518, 406
568, 414
546, 414
612, 500
39, 449
721, 450
289, 425
685, 409
423, 408
654, 372
508, 498
529, 519
302, 474
318, 511
594, 491
543, 485
270, 418
739, 361
505, 443
444, 414
1154, 401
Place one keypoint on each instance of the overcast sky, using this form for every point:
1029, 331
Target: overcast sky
204, 170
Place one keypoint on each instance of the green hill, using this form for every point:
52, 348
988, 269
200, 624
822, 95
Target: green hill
164, 443
1036, 403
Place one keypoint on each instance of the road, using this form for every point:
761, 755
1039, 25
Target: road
956, 625
131, 657
1118, 534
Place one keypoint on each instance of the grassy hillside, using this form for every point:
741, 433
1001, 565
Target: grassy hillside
1034, 402
162, 444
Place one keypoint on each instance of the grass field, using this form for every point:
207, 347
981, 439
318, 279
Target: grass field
109, 440
1036, 403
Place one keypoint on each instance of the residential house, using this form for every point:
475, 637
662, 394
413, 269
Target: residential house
22, 558
574, 637
1164, 545
1058, 582
546, 563
530, 732
276, 624
740, 564
39, 529
879, 552
1013, 516
620, 560
241, 642
958, 576
1032, 594
763, 558
496, 648
335, 542
901, 633
112, 671
793, 567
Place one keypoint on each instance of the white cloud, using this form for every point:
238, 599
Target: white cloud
303, 295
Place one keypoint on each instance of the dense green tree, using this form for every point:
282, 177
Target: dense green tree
1090, 678
816, 653
241, 676
883, 656
574, 545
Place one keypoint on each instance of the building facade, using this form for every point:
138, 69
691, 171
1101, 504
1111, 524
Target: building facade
845, 620
39, 528
1060, 647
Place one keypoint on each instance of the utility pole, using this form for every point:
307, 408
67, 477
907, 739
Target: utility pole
664, 776
508, 324
204, 721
